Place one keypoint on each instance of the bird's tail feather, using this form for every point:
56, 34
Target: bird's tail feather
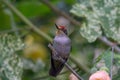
56, 67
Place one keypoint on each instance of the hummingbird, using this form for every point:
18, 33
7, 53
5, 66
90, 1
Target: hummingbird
62, 47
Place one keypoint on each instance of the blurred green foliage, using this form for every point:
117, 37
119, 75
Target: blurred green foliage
5, 19
33, 60
32, 9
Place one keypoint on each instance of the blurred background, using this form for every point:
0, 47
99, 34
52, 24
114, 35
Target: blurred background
43, 14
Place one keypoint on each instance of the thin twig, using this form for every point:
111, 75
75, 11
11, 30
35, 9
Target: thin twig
59, 12
68, 67
109, 43
62, 60
112, 57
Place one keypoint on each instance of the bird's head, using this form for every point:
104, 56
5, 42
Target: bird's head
61, 28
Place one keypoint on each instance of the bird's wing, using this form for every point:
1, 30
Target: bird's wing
56, 66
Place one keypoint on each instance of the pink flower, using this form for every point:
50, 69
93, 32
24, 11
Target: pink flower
100, 75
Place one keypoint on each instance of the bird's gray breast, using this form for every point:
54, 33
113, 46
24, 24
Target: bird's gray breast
62, 45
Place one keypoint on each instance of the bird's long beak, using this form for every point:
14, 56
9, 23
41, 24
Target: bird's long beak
58, 29
57, 32
57, 26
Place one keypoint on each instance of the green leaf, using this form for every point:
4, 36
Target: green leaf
107, 56
32, 9
97, 60
5, 19
117, 60
106, 59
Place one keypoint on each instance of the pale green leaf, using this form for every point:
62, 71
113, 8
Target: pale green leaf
90, 29
10, 64
109, 16
99, 13
12, 67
